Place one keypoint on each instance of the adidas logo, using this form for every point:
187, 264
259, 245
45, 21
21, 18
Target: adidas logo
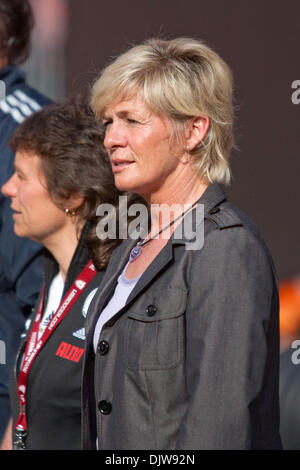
80, 334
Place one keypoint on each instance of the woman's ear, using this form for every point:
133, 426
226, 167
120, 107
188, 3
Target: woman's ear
75, 201
197, 130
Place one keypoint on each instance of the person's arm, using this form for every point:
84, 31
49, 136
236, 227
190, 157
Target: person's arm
231, 346
7, 443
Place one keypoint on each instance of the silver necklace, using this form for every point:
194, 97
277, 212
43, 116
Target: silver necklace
137, 250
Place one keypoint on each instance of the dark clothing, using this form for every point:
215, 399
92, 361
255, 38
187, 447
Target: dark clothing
192, 359
54, 382
289, 393
20, 258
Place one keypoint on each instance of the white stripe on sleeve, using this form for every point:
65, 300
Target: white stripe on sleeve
19, 94
26, 110
17, 116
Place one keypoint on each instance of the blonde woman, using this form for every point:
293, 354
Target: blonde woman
182, 340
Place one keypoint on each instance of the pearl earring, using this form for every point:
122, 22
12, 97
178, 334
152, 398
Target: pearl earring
70, 212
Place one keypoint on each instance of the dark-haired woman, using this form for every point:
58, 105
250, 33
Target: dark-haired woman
61, 176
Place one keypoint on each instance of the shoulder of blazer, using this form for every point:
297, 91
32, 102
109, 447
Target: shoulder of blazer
224, 216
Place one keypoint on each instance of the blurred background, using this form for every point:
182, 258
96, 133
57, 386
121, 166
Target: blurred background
75, 39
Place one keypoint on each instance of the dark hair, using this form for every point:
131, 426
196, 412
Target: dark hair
16, 23
69, 140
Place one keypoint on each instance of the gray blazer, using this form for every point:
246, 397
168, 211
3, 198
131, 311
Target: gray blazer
191, 361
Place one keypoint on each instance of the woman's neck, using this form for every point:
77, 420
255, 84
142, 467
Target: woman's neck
182, 187
181, 193
62, 246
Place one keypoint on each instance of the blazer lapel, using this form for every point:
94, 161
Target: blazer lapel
116, 265
213, 195
162, 259
117, 262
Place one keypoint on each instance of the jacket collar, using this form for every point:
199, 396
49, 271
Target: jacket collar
212, 197
12, 76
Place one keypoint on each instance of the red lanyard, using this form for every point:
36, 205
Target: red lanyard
34, 345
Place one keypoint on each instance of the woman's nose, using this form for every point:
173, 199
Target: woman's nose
114, 137
9, 189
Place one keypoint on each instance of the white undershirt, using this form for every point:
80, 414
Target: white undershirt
116, 303
55, 294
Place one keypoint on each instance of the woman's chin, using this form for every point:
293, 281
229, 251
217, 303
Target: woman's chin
20, 233
124, 184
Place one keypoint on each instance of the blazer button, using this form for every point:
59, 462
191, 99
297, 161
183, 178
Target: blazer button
151, 310
104, 407
103, 348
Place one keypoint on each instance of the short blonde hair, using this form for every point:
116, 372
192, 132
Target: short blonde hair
181, 78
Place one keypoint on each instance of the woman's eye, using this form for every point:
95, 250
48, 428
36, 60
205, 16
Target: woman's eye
132, 121
20, 176
106, 123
